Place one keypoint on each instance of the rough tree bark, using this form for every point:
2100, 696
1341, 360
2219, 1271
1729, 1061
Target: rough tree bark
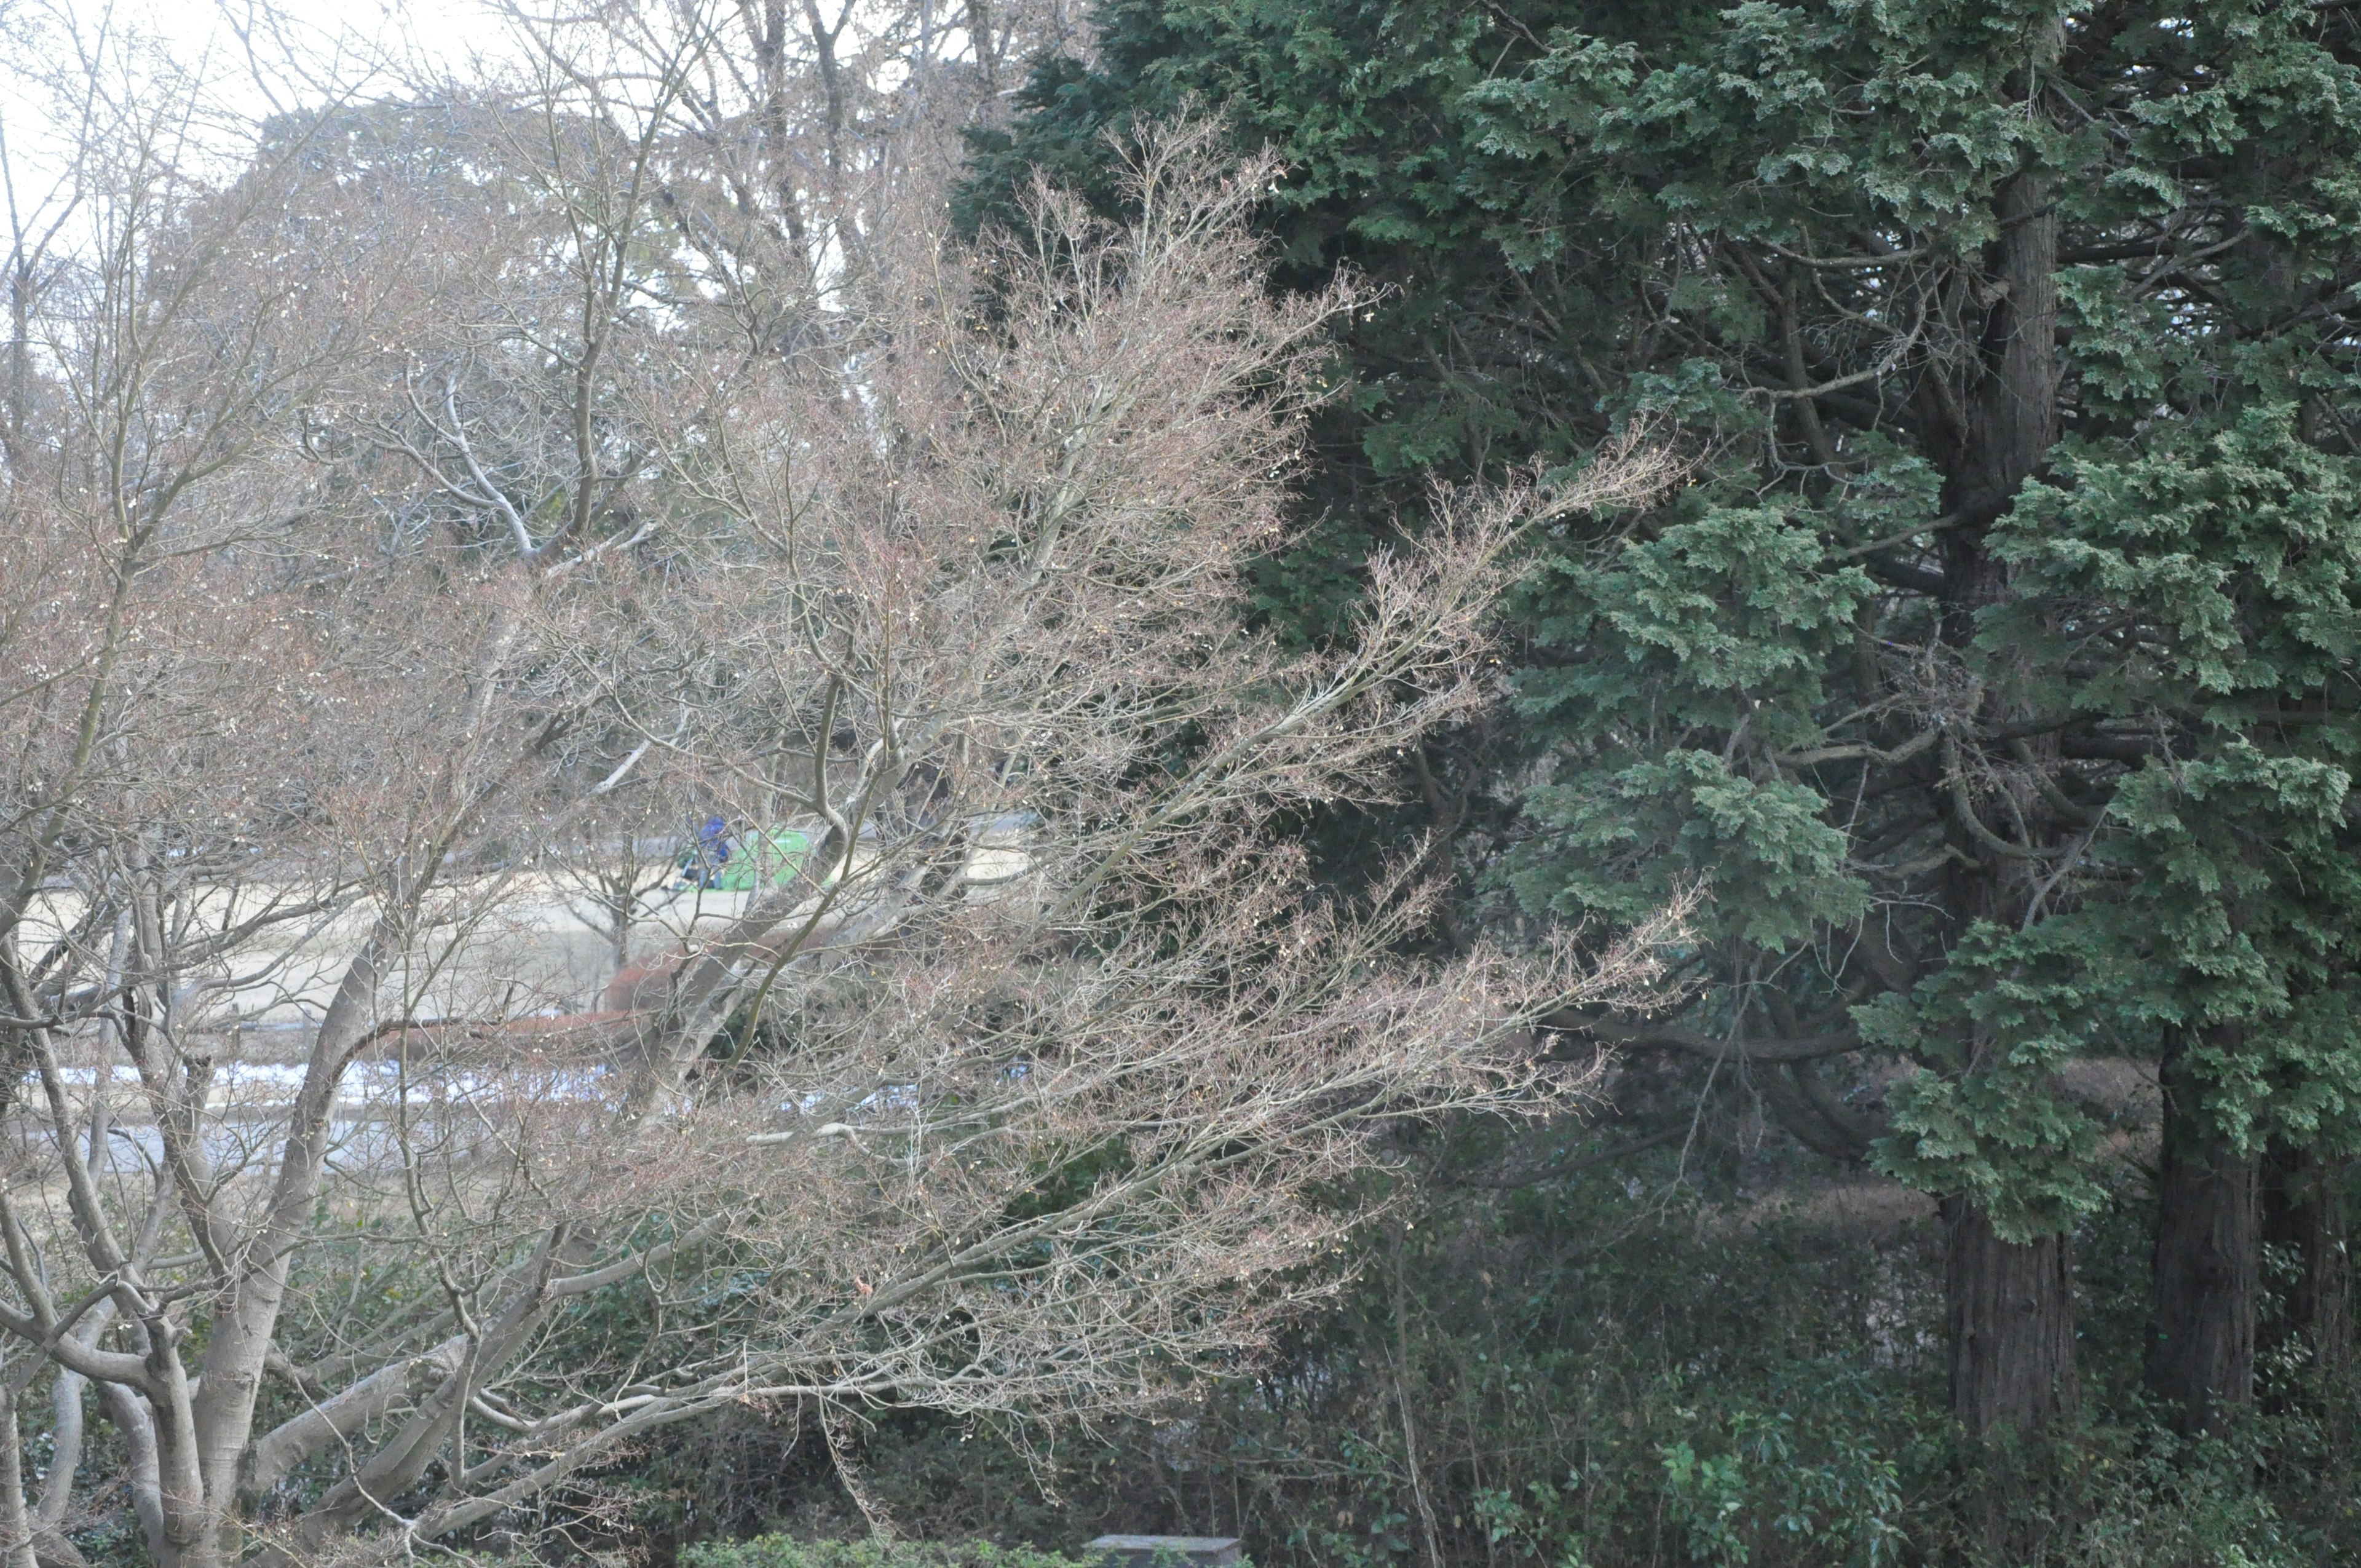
2012, 1326
2201, 1337
2010, 1306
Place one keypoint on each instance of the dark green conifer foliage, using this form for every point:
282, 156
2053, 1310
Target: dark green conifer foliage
1998, 673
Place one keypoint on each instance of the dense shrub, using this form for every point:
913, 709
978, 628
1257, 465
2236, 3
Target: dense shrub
1667, 1362
786, 1552
1666, 1365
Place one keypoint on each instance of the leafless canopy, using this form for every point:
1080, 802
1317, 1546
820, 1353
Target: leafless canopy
409, 535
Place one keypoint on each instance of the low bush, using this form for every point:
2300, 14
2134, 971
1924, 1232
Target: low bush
787, 1551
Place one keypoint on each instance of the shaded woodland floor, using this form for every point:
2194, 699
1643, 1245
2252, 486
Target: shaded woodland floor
1709, 1358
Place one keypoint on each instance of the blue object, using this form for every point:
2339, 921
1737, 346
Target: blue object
701, 862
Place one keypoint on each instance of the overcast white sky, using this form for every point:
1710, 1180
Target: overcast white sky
433, 31
245, 62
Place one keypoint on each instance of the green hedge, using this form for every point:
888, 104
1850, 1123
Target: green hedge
785, 1552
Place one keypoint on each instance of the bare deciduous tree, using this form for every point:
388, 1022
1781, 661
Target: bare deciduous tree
377, 516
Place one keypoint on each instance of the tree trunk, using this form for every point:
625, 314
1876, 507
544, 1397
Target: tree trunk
2201, 1341
2010, 1310
987, 53
16, 1520
2010, 1307
2302, 1207
2012, 1327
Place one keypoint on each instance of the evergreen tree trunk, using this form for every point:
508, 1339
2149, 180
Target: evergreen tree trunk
2012, 1326
2012, 1342
2302, 1207
2010, 1307
2200, 1344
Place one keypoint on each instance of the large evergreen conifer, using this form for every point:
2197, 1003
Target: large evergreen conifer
1998, 673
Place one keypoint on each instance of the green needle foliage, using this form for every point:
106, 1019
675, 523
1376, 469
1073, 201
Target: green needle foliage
1996, 671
